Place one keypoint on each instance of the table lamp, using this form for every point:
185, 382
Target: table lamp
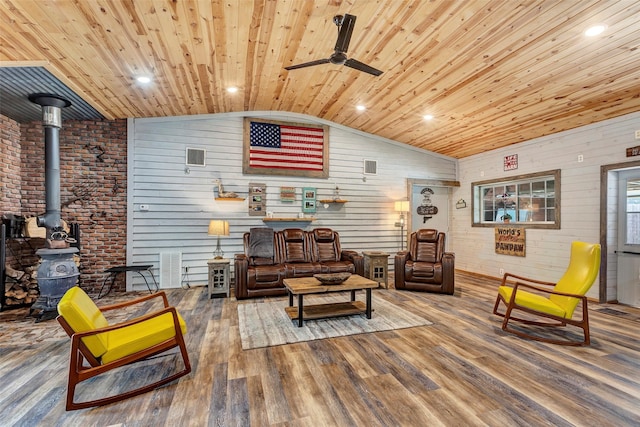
218, 227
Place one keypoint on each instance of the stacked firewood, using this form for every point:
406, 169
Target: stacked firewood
21, 287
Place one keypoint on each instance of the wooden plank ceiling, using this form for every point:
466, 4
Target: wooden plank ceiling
492, 73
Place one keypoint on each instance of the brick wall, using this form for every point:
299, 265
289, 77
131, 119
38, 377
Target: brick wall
9, 166
93, 187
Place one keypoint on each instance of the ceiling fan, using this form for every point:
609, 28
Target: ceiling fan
345, 26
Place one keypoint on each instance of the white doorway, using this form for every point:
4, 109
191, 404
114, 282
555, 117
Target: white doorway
611, 176
628, 238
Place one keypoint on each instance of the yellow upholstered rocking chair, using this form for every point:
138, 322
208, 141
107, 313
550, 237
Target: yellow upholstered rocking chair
105, 347
558, 301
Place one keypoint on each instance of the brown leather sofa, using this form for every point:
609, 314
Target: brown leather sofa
425, 266
271, 256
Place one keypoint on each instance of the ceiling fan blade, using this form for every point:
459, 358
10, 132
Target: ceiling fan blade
307, 64
353, 63
344, 36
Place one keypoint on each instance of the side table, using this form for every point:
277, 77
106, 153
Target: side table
376, 267
219, 276
114, 271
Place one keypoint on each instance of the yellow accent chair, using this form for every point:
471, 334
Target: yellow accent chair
105, 347
555, 301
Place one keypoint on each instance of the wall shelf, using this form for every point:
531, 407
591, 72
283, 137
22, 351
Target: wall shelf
332, 201
229, 199
288, 219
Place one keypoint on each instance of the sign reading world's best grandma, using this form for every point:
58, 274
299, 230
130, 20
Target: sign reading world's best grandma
510, 241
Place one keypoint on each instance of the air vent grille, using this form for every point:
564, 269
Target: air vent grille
196, 156
370, 167
170, 268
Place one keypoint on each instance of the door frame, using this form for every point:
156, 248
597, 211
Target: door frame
604, 220
428, 183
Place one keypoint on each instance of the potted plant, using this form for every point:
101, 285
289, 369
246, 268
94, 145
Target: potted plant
506, 218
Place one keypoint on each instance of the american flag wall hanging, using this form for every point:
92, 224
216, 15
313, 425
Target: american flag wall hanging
279, 148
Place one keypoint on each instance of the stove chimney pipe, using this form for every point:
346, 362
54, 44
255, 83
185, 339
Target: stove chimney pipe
52, 122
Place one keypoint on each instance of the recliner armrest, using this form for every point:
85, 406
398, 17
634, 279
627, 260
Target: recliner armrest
355, 258
400, 260
241, 269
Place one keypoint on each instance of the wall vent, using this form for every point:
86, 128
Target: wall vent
196, 156
370, 167
170, 268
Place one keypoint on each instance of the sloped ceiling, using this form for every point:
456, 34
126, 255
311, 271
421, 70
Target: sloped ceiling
492, 73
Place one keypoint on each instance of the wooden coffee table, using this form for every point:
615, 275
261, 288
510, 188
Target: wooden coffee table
302, 286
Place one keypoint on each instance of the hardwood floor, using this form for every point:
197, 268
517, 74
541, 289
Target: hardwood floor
463, 370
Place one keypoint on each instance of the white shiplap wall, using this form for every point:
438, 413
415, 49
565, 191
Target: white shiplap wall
181, 202
547, 251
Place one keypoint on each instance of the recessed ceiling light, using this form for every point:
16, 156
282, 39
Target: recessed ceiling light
143, 79
427, 117
232, 89
360, 107
595, 30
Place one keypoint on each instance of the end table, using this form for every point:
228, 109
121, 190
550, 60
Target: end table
376, 266
219, 272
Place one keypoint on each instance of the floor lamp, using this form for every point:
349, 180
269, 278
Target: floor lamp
401, 206
218, 228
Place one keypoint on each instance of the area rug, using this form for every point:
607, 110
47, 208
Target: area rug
265, 323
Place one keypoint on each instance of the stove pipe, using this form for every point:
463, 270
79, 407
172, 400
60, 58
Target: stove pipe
58, 271
52, 122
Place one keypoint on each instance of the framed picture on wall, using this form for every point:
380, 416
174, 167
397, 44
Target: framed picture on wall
257, 199
308, 199
281, 148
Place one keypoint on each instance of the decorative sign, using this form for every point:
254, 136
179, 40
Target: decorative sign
280, 148
287, 194
257, 199
426, 209
633, 151
511, 162
510, 241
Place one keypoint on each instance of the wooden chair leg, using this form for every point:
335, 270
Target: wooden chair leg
583, 325
79, 373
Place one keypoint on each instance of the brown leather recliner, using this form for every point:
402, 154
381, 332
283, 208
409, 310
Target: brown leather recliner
259, 272
297, 253
332, 258
425, 266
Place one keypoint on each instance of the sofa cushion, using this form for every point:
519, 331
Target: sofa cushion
257, 261
295, 249
338, 267
425, 247
260, 248
302, 269
268, 273
327, 245
424, 272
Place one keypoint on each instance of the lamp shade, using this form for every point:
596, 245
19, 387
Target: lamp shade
218, 227
402, 206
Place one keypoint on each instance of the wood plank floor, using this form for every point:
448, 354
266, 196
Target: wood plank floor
463, 370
